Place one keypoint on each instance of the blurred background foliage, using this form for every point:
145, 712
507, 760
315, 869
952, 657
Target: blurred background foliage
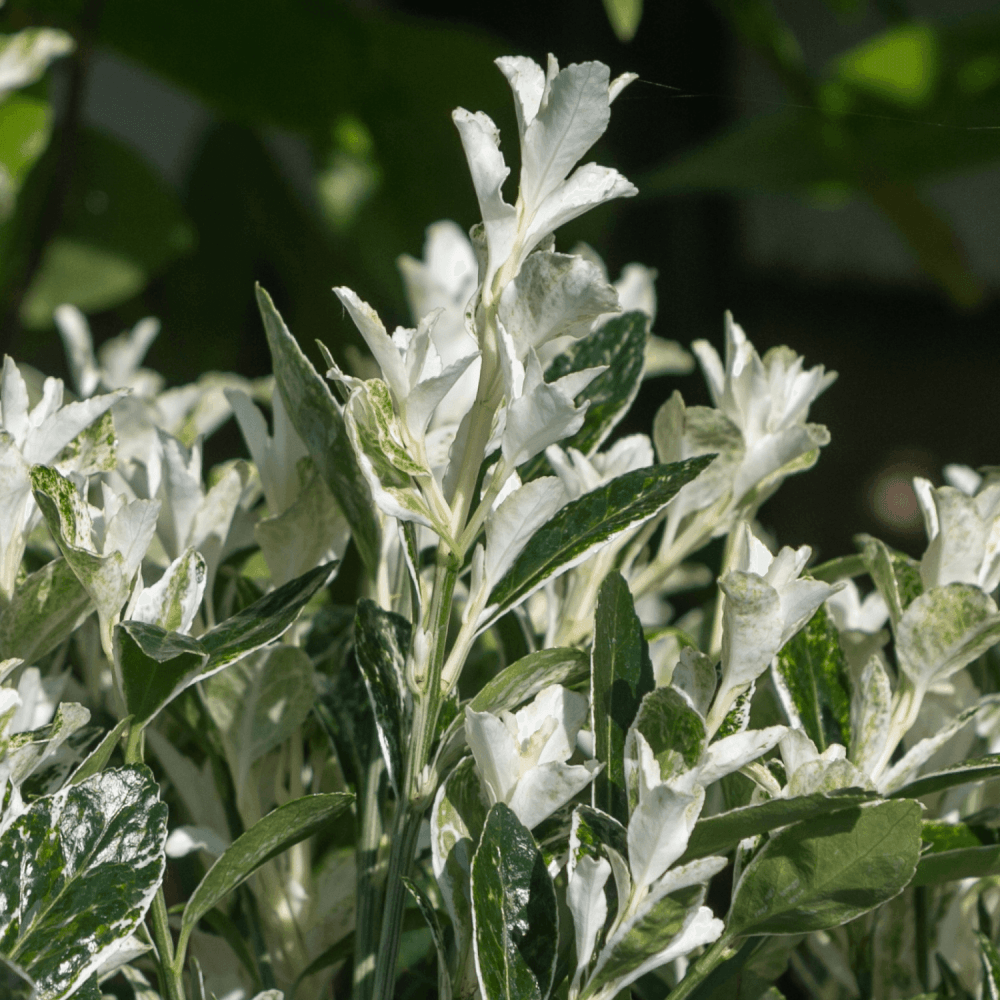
827, 169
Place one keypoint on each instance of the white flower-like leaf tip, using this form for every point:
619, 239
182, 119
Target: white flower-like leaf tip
521, 758
732, 752
547, 787
28, 53
661, 823
577, 474
787, 566
587, 187
511, 525
568, 708
619, 83
588, 904
76, 338
545, 412
849, 612
871, 710
121, 356
574, 115
130, 532
704, 929
527, 81
496, 753
481, 142
750, 554
427, 394
554, 295
14, 401
711, 366
185, 840
698, 872
963, 478
752, 629
796, 749
379, 343
924, 490
636, 290
799, 601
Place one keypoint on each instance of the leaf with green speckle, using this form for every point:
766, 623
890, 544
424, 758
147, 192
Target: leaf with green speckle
382, 641
814, 684
46, 608
156, 665
319, 423
78, 871
514, 912
621, 674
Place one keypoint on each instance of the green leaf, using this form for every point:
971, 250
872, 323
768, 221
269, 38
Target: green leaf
650, 931
46, 609
84, 865
964, 773
429, 914
121, 224
591, 521
524, 678
674, 731
943, 630
941, 836
317, 420
94, 449
621, 674
896, 575
841, 568
15, 983
514, 912
156, 665
266, 839
624, 16
965, 862
25, 127
619, 343
825, 871
258, 703
813, 672
382, 641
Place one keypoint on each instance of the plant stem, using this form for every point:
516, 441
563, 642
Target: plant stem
404, 842
171, 978
369, 886
703, 968
416, 787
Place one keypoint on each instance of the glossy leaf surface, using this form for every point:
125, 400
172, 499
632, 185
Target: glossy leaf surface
514, 912
84, 865
621, 674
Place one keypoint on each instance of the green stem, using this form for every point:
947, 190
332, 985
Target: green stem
369, 886
703, 967
171, 979
417, 787
404, 842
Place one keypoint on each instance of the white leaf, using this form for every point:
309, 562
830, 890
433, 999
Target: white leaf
481, 142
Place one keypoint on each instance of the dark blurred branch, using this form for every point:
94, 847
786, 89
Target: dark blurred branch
39, 223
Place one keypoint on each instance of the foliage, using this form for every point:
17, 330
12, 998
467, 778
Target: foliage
507, 767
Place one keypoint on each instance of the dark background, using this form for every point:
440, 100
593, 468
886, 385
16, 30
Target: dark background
859, 230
